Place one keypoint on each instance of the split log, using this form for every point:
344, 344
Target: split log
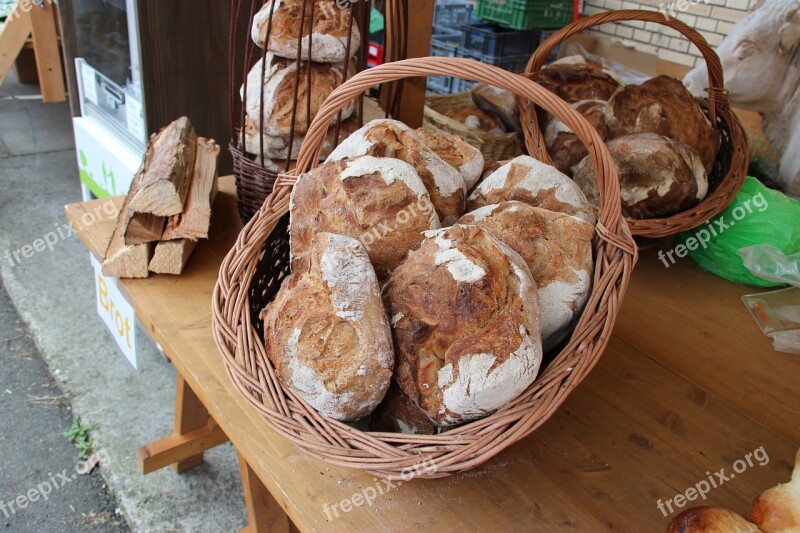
167, 175
195, 220
144, 227
170, 257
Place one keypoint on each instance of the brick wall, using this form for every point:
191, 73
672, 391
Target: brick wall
712, 18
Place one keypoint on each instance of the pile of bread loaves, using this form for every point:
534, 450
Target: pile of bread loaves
661, 140
283, 95
407, 267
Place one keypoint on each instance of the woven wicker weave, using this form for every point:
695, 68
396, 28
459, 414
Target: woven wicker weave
733, 160
252, 271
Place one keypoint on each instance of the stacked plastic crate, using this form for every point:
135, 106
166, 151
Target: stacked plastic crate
447, 37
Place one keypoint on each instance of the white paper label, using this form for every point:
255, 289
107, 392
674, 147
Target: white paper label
135, 117
116, 312
89, 83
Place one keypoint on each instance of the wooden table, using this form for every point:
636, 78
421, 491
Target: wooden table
688, 385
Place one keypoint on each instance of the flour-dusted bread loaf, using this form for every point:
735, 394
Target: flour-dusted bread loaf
398, 413
574, 78
558, 250
658, 177
499, 102
328, 38
391, 138
277, 146
476, 119
777, 510
664, 106
710, 520
456, 152
533, 182
279, 90
379, 201
327, 334
563, 144
465, 319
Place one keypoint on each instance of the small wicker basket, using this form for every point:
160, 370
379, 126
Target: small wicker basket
732, 162
497, 147
251, 273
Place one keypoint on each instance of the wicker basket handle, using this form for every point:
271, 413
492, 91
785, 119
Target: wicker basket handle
611, 222
534, 139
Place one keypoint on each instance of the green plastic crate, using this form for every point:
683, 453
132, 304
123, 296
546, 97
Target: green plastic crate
526, 14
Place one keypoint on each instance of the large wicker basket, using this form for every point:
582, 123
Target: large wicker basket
252, 271
732, 162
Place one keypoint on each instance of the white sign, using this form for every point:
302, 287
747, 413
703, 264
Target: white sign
106, 166
116, 312
89, 83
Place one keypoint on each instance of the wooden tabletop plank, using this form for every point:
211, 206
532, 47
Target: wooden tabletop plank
634, 432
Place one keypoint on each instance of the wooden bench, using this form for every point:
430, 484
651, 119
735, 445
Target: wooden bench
687, 386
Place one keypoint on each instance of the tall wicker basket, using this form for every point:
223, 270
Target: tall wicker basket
254, 179
252, 271
732, 162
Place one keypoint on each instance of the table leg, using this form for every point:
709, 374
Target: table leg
264, 513
195, 432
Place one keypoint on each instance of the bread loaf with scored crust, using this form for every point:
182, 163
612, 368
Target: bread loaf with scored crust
328, 36
558, 251
277, 146
465, 320
391, 138
533, 182
456, 152
658, 176
381, 202
397, 413
327, 334
563, 144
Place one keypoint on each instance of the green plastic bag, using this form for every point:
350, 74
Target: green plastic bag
757, 215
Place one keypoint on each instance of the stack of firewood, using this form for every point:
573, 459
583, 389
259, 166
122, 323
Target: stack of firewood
168, 207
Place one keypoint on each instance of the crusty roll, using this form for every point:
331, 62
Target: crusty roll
777, 510
476, 119
327, 334
381, 202
574, 78
710, 520
658, 176
558, 250
664, 106
533, 182
456, 152
563, 144
279, 91
397, 413
277, 146
499, 102
390, 138
465, 320
328, 39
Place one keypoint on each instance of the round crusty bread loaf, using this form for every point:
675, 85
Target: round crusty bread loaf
558, 250
710, 520
326, 332
574, 78
279, 87
498, 102
563, 144
390, 138
277, 146
777, 509
664, 106
476, 119
658, 177
465, 320
328, 39
456, 152
533, 182
379, 201
398, 413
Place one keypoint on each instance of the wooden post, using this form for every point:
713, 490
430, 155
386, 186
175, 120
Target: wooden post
190, 414
418, 34
48, 55
264, 513
13, 34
